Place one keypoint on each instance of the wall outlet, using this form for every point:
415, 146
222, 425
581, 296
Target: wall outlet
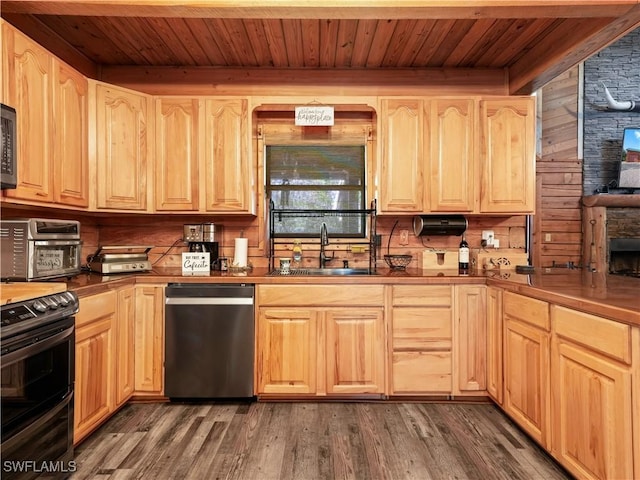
488, 236
404, 237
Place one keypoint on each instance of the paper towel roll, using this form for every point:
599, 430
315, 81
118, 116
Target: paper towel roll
240, 255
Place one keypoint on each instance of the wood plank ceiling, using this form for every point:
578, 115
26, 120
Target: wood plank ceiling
529, 41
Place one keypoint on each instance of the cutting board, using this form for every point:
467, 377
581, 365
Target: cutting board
16, 292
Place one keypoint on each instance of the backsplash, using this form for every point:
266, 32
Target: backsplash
164, 233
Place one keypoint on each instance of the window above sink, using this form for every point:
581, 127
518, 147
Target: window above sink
317, 177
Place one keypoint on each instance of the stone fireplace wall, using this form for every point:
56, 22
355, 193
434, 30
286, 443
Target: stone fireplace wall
623, 223
602, 220
617, 67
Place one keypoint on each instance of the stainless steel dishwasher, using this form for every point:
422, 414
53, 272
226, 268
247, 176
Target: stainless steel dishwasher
209, 340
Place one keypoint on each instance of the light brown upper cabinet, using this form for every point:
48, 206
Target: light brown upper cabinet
507, 160
176, 153
228, 174
51, 100
27, 70
71, 165
456, 155
202, 155
452, 184
122, 139
401, 160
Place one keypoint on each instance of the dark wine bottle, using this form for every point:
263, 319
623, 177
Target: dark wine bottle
463, 256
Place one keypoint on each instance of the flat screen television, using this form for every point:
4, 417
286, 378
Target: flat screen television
629, 176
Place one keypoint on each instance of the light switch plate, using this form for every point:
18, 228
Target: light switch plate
404, 237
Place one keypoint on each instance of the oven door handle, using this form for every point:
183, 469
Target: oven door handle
37, 423
37, 347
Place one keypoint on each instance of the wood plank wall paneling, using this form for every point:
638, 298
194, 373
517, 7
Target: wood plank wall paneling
164, 233
557, 229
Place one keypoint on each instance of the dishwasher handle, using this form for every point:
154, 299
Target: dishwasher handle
209, 301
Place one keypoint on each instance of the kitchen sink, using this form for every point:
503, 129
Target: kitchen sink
310, 272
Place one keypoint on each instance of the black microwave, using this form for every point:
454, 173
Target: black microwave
8, 168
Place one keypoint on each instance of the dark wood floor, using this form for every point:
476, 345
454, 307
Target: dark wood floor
306, 441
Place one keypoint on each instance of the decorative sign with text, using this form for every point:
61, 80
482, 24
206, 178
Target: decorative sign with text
314, 116
195, 264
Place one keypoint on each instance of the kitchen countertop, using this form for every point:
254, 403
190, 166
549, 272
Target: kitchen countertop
611, 296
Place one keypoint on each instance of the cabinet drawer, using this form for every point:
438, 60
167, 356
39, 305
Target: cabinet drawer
599, 334
527, 310
320, 295
417, 328
422, 295
421, 372
95, 307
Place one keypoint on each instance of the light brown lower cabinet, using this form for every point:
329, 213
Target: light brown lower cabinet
421, 358
95, 363
494, 343
592, 360
124, 347
112, 329
149, 340
526, 338
470, 339
287, 350
320, 340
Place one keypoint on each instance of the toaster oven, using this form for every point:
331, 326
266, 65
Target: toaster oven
39, 249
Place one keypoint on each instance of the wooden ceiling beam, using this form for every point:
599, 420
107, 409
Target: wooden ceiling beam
315, 81
565, 48
327, 9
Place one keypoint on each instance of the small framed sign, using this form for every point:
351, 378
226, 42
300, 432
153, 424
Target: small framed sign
196, 264
314, 116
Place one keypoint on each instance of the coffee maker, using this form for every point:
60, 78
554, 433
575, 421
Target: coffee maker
201, 237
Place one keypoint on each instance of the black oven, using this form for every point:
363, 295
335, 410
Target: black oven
38, 345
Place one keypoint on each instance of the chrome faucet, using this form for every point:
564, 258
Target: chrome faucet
324, 241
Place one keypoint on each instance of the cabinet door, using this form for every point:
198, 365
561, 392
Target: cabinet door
124, 337
228, 175
149, 340
354, 351
471, 341
526, 378
452, 158
176, 154
287, 351
592, 414
401, 168
494, 343
121, 155
507, 156
593, 360
71, 166
27, 70
93, 391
